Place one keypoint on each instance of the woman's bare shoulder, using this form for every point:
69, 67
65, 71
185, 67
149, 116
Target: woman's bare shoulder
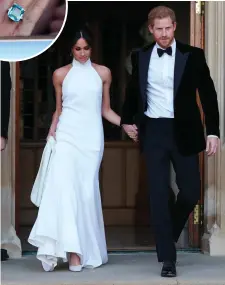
102, 68
103, 71
60, 73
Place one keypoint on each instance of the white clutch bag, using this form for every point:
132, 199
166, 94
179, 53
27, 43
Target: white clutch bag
39, 184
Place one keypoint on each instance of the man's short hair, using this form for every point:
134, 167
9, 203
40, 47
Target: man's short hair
161, 12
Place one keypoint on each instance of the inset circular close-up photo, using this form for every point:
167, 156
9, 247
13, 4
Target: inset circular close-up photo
29, 27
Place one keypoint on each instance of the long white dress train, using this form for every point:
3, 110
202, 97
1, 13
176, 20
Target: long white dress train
70, 215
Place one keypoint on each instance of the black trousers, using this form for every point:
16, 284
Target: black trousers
159, 150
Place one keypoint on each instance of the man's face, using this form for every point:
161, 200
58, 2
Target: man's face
163, 31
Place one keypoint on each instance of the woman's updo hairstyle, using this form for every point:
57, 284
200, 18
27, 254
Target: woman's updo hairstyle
82, 33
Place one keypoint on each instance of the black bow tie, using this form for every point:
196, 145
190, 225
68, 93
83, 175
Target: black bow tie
162, 51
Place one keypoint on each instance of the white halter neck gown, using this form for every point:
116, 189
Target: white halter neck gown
70, 215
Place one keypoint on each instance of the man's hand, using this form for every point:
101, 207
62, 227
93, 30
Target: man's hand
212, 145
3, 143
132, 131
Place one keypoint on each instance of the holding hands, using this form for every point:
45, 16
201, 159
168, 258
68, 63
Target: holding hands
131, 131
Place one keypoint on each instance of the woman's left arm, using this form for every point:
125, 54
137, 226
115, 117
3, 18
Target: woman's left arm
107, 112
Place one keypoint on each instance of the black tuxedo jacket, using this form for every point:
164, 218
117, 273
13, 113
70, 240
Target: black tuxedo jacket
5, 97
191, 74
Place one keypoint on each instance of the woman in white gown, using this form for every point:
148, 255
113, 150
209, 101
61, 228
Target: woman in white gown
70, 224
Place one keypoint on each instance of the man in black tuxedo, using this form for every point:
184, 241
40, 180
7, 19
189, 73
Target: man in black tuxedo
5, 111
161, 109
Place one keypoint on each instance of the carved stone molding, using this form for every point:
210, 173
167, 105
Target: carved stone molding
214, 214
9, 239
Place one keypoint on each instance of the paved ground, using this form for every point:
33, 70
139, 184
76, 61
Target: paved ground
122, 269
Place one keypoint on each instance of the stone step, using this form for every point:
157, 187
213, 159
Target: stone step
122, 269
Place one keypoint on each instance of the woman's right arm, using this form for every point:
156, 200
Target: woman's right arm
57, 82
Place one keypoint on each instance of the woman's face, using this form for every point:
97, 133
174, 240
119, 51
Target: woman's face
81, 51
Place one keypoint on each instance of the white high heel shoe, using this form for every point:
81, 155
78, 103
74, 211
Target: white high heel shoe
75, 268
47, 267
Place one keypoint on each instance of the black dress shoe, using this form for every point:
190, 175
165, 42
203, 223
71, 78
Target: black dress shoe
169, 269
4, 255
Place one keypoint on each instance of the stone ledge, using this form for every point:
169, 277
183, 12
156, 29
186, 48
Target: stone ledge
214, 243
122, 269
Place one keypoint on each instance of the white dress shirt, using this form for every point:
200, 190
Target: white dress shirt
160, 84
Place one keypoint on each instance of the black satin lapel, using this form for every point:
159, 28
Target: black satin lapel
180, 63
144, 60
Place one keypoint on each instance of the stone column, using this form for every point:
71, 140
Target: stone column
214, 215
9, 239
